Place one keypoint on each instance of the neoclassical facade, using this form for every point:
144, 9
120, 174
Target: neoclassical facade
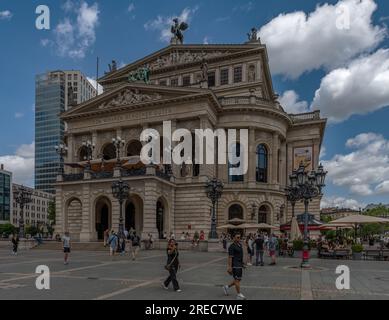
194, 87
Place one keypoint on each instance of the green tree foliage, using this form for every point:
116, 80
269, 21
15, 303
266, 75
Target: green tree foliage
51, 212
379, 211
7, 229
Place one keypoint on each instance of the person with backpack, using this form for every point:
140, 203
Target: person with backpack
113, 242
135, 240
172, 266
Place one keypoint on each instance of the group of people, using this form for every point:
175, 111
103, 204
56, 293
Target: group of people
118, 243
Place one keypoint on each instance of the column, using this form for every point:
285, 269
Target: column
87, 233
275, 147
70, 156
252, 158
150, 209
94, 141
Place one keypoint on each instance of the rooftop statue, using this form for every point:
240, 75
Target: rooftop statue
253, 35
177, 31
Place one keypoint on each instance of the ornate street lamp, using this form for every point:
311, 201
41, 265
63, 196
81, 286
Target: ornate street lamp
89, 147
305, 186
118, 144
62, 151
214, 189
22, 196
120, 190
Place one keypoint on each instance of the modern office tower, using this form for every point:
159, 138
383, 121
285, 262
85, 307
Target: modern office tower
5, 195
53, 95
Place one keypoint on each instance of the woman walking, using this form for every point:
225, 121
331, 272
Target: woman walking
172, 266
15, 244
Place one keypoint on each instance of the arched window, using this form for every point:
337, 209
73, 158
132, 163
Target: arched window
83, 154
109, 152
262, 214
235, 212
262, 163
236, 151
134, 148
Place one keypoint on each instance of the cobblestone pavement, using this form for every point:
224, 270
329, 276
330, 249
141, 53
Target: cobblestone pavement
93, 275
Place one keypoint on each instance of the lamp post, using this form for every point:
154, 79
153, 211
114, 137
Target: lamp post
118, 144
120, 190
62, 151
304, 187
89, 147
214, 189
22, 196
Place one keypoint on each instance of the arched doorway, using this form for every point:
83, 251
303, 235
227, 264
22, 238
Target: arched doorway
235, 212
134, 214
263, 213
103, 217
134, 148
109, 152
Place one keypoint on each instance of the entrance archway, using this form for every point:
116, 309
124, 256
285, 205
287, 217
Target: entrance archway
103, 217
134, 214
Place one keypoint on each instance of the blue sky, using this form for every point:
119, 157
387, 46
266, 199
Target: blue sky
344, 72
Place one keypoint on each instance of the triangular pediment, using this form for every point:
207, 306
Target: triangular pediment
175, 56
132, 95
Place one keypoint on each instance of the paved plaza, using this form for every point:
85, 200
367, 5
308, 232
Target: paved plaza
93, 275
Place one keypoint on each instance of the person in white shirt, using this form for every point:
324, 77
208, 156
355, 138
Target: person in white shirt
66, 247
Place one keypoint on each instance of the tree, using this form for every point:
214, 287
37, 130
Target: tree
7, 229
51, 212
378, 211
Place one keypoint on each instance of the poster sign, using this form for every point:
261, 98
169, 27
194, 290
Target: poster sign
304, 155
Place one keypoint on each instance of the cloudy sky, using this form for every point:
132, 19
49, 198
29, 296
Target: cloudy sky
329, 55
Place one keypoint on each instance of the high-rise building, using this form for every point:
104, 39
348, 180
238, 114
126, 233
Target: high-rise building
53, 92
5, 195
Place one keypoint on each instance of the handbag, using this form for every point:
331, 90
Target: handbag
168, 266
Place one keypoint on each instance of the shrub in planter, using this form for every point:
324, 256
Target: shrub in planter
357, 251
298, 245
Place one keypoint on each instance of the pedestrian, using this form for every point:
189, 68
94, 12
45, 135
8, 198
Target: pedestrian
250, 249
224, 240
106, 236
113, 243
235, 266
135, 241
15, 244
259, 248
172, 266
122, 245
66, 247
272, 246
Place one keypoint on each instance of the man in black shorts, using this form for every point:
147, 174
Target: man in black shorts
235, 266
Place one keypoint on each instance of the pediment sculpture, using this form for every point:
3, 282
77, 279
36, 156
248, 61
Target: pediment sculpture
130, 96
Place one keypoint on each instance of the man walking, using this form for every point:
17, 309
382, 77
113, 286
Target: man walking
272, 244
259, 248
113, 244
235, 266
66, 247
135, 245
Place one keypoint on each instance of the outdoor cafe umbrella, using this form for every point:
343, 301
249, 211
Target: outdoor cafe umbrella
236, 220
295, 232
357, 219
229, 226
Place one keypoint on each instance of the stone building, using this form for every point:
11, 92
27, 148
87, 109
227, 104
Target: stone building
194, 87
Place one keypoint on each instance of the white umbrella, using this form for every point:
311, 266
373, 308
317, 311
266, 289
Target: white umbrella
359, 219
229, 226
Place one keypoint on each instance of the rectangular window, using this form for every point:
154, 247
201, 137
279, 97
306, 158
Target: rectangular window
237, 74
186, 81
224, 77
162, 83
211, 79
174, 82
69, 77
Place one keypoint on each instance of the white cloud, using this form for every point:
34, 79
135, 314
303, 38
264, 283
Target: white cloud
364, 171
289, 100
359, 88
341, 202
5, 15
323, 152
164, 23
21, 164
299, 43
73, 38
206, 40
94, 83
246, 7
19, 115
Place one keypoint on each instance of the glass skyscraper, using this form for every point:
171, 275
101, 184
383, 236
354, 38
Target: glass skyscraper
5, 195
51, 99
49, 128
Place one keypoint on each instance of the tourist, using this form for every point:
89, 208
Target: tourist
250, 249
183, 236
135, 241
202, 236
106, 235
151, 241
164, 235
66, 247
235, 266
122, 245
125, 233
172, 266
113, 243
272, 247
259, 248
224, 241
15, 244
